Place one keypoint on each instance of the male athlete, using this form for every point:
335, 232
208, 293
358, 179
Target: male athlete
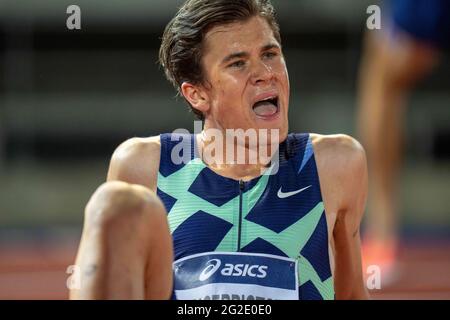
227, 230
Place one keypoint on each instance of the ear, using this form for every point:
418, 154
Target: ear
196, 95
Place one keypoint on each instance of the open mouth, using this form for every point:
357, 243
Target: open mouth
267, 107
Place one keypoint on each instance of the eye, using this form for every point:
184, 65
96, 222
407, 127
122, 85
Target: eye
237, 64
269, 54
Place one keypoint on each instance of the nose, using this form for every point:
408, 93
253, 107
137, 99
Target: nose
261, 73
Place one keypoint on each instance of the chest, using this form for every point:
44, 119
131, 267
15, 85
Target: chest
274, 214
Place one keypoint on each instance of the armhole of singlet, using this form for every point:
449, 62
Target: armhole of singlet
162, 149
167, 145
302, 150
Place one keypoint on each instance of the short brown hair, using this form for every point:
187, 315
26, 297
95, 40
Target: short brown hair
180, 53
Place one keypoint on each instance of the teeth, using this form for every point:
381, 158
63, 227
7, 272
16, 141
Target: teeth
271, 98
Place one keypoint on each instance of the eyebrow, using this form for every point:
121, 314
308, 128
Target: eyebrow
244, 54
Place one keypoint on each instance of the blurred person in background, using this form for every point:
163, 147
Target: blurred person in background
395, 59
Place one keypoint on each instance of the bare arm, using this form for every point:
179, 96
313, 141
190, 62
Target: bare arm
136, 161
343, 173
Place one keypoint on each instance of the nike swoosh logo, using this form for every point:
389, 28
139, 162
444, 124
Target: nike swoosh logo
283, 195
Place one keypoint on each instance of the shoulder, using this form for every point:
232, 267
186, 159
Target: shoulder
136, 161
341, 164
338, 152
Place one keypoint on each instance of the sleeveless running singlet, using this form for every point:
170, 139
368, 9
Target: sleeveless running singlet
265, 238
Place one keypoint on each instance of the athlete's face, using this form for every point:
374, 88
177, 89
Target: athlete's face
248, 84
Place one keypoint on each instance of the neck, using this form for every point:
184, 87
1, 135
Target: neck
233, 159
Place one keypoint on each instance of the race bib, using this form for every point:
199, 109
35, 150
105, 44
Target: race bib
235, 276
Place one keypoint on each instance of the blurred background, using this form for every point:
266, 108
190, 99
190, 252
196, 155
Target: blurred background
69, 97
